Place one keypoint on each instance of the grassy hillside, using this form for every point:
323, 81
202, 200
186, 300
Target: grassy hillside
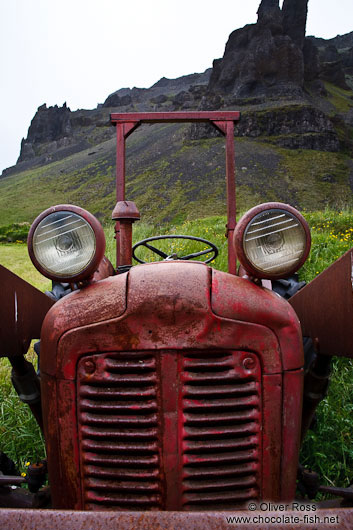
173, 179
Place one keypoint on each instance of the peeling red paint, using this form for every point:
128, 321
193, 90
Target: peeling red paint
206, 394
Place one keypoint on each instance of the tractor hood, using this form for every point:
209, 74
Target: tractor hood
171, 305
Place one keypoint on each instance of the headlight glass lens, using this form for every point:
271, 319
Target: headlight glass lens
64, 243
274, 241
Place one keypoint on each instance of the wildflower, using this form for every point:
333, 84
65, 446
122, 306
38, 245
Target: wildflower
23, 475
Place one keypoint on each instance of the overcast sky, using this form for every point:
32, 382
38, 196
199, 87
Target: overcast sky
80, 51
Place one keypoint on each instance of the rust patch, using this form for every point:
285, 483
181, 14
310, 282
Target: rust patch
325, 308
22, 311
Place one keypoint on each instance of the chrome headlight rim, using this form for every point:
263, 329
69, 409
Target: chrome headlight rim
88, 270
241, 230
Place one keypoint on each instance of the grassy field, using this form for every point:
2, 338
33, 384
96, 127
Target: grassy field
327, 449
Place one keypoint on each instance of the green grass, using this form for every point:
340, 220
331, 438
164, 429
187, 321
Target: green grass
332, 236
15, 258
327, 449
339, 97
314, 179
20, 436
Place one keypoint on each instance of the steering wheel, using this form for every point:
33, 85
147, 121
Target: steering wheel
174, 256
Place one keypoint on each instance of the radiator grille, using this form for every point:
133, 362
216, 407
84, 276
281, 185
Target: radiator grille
221, 430
118, 413
125, 440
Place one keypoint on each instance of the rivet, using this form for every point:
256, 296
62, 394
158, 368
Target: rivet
89, 366
249, 363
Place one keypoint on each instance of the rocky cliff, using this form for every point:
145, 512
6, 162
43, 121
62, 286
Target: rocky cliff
264, 59
265, 65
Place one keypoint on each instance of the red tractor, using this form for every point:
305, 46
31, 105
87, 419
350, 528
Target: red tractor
170, 387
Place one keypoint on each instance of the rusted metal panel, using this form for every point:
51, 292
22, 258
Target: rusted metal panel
22, 311
168, 306
95, 303
208, 453
104, 270
55, 519
325, 308
291, 429
236, 298
158, 319
271, 435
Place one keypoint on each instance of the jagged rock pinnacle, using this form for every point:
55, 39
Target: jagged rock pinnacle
294, 20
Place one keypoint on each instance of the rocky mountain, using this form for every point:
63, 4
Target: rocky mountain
294, 92
56, 132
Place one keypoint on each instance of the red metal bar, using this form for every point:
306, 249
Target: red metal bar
117, 239
126, 123
120, 162
155, 117
171, 431
123, 130
125, 257
231, 204
293, 518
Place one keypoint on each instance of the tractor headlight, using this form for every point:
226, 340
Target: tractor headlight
66, 243
272, 240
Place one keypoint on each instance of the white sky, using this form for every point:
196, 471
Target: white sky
80, 51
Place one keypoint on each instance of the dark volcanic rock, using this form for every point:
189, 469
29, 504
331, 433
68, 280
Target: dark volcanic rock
183, 82
269, 14
294, 20
272, 58
48, 125
311, 61
294, 119
335, 58
333, 73
265, 58
158, 100
157, 94
181, 98
329, 54
293, 127
117, 101
257, 62
347, 60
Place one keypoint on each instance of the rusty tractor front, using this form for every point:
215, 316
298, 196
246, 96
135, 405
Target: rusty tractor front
171, 385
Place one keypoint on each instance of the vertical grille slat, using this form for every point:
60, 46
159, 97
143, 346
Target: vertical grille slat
221, 439
118, 411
